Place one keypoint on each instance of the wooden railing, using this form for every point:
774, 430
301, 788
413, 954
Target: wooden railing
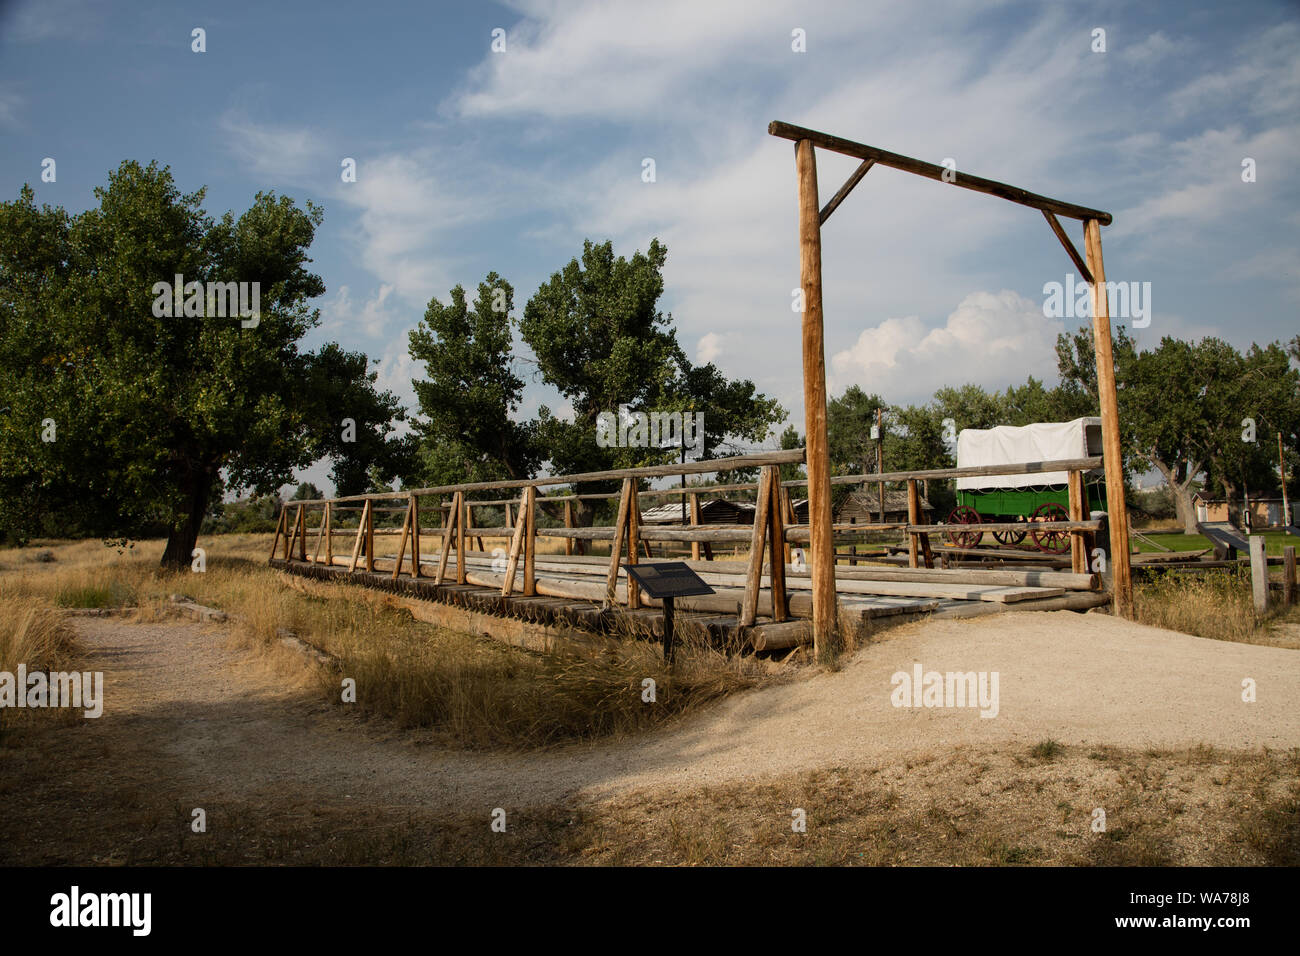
770, 536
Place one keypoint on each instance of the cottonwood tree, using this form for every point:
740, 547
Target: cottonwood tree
126, 420
600, 339
468, 424
1181, 407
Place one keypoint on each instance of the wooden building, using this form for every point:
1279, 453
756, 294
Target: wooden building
862, 506
712, 511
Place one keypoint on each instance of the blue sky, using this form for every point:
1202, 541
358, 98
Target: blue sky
470, 160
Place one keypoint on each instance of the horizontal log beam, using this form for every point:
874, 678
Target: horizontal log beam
703, 467
907, 164
975, 471
1025, 526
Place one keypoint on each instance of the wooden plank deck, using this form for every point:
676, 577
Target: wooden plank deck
570, 591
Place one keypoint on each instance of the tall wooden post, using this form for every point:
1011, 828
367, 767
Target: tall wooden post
1116, 507
821, 548
776, 545
913, 518
462, 516
415, 535
329, 533
695, 523
370, 536
1077, 501
1281, 467
529, 504
568, 523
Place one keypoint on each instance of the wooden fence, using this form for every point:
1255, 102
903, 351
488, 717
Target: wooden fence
770, 537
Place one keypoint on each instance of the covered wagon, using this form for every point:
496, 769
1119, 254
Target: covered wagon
1028, 498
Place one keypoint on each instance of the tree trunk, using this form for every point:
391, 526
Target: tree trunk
1179, 481
1184, 506
184, 534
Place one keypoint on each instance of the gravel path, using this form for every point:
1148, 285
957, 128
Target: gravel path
217, 721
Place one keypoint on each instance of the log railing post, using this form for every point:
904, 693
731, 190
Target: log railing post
370, 536
695, 523
320, 535
776, 544
448, 529
329, 533
633, 543
529, 504
568, 523
415, 535
279, 525
757, 544
913, 518
302, 535
1078, 543
1288, 574
821, 548
512, 557
401, 546
1259, 573
462, 518
616, 546
361, 536
1112, 455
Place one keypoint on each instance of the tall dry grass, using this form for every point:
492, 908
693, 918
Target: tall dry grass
37, 636
1217, 605
470, 691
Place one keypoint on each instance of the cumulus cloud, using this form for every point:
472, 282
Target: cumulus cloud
709, 348
992, 339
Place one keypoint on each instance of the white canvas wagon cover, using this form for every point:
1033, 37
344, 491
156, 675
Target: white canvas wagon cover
1009, 444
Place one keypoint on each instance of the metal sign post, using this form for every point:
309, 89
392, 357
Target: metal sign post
664, 581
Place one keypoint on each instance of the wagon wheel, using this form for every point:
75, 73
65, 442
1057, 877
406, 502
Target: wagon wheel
1053, 542
1009, 538
964, 514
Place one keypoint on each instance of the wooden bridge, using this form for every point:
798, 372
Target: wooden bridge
761, 603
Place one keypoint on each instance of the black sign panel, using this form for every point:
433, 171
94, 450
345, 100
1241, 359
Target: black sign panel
667, 579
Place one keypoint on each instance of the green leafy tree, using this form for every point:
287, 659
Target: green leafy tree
601, 340
307, 492
468, 428
125, 419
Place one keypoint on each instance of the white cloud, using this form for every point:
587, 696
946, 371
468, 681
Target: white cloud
992, 339
373, 317
709, 348
279, 153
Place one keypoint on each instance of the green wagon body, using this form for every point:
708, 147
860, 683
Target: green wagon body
1010, 504
1016, 499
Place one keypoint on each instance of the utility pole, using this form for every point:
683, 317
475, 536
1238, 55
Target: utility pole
1281, 467
880, 463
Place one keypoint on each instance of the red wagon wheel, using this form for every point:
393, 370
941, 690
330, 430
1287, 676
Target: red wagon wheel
1053, 542
1009, 538
964, 514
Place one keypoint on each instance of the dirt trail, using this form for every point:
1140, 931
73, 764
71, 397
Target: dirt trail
213, 722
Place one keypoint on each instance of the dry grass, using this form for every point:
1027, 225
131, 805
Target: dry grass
37, 636
471, 691
1217, 605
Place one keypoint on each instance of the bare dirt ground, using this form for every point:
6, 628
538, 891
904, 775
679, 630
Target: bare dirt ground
190, 720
